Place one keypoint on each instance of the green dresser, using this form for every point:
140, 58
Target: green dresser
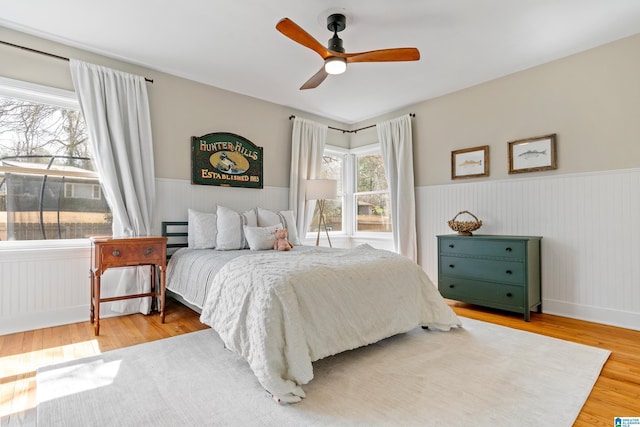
493, 271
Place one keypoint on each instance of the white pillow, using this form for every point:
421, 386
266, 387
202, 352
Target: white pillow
202, 230
286, 218
261, 238
230, 228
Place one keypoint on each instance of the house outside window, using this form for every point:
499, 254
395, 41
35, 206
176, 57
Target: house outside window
362, 207
49, 189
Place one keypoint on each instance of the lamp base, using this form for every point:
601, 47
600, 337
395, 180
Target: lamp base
322, 222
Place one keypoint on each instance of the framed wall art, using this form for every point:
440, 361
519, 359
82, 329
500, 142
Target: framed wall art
226, 160
470, 162
533, 154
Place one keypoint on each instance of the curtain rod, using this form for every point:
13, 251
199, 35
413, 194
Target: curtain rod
291, 117
52, 55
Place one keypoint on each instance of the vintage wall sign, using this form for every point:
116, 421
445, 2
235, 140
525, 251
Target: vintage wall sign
225, 159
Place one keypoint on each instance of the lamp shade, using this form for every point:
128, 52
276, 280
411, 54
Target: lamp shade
321, 189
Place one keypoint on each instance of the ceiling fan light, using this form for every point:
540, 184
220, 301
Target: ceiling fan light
335, 65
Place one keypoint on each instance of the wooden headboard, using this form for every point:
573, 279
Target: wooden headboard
176, 233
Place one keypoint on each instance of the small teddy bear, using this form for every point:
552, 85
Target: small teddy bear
281, 243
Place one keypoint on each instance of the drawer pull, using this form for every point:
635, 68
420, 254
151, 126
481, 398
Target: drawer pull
452, 286
148, 251
509, 294
115, 252
451, 246
509, 272
451, 266
508, 249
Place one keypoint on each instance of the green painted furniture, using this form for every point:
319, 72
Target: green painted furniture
500, 272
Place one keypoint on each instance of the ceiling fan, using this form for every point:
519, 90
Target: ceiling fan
335, 58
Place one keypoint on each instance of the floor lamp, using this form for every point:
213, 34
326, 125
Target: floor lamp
321, 190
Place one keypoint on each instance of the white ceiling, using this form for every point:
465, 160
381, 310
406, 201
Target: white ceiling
234, 44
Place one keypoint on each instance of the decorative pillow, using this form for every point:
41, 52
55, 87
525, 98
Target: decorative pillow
286, 218
202, 230
261, 238
230, 228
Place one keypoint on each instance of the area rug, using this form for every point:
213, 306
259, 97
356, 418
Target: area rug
479, 375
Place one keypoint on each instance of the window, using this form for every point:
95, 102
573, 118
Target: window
363, 204
79, 190
372, 205
48, 186
332, 168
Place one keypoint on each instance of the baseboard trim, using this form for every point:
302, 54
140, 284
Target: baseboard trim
45, 319
622, 319
49, 319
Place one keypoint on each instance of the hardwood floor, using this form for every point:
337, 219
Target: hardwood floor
616, 393
22, 353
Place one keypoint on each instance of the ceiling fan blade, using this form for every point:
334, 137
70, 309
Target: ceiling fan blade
384, 55
298, 35
315, 80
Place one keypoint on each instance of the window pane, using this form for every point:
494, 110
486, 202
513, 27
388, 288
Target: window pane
371, 174
81, 190
374, 212
332, 164
332, 168
332, 214
34, 206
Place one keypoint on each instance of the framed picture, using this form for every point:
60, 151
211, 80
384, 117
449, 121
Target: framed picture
533, 154
470, 162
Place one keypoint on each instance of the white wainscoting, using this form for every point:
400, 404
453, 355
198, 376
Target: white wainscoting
589, 225
43, 287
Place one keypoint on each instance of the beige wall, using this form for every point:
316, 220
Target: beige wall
590, 100
180, 108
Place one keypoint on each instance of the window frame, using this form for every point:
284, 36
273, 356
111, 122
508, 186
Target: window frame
57, 97
365, 150
337, 152
96, 191
349, 185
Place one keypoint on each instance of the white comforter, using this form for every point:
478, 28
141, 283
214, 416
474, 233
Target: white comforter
283, 310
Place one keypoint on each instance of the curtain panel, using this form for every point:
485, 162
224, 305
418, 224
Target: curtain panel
396, 143
307, 146
116, 110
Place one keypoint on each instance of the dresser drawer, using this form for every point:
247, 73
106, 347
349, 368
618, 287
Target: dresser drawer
478, 246
483, 269
479, 292
134, 254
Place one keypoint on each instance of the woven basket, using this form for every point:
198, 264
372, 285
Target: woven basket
464, 228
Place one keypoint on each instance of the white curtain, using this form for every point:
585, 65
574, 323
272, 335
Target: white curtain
116, 110
307, 146
397, 153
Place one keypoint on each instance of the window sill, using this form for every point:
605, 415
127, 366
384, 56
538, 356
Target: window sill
30, 245
373, 236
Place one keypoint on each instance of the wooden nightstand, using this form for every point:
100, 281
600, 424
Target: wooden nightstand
128, 252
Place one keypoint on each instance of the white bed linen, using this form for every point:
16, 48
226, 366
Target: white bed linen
283, 310
190, 272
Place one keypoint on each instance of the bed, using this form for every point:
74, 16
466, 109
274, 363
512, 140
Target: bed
281, 311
